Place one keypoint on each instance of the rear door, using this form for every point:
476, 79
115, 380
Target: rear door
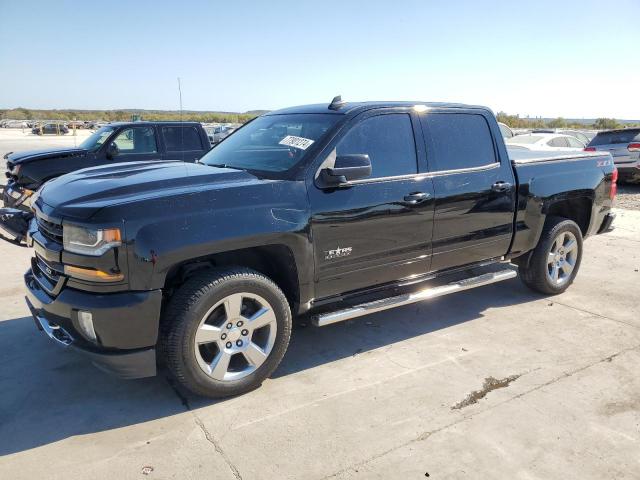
475, 192
182, 142
377, 230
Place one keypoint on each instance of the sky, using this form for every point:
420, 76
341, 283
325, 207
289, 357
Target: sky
575, 59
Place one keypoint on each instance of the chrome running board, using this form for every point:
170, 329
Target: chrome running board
432, 292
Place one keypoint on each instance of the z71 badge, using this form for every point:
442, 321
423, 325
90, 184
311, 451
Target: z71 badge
337, 253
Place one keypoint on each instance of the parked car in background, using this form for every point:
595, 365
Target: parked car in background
573, 133
15, 123
505, 130
115, 143
624, 146
545, 141
219, 133
50, 128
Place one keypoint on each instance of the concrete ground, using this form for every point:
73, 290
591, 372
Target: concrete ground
493, 383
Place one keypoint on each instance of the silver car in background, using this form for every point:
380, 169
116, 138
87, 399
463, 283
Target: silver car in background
218, 133
624, 146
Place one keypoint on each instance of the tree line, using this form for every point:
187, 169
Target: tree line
515, 121
126, 115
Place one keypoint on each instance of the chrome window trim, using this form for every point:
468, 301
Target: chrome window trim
421, 176
481, 168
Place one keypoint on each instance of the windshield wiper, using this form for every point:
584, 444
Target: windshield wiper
223, 165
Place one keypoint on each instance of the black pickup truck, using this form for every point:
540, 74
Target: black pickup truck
114, 143
327, 211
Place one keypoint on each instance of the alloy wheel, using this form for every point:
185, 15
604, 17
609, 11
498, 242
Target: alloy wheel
562, 258
235, 336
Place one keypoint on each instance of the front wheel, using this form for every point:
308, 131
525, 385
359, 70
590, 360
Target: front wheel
556, 259
225, 331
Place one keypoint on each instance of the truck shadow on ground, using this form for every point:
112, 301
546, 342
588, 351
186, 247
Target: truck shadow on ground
48, 394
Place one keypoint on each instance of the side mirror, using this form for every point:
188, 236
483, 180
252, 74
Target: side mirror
112, 150
346, 168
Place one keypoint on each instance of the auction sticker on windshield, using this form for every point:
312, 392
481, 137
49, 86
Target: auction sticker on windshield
296, 142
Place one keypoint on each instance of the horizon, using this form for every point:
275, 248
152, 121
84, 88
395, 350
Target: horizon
523, 62
261, 111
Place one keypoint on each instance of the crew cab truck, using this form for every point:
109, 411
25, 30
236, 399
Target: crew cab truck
327, 211
114, 143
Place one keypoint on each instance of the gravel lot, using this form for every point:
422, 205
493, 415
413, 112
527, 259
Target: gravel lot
494, 383
628, 196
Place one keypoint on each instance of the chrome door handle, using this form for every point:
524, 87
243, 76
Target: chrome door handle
415, 198
501, 187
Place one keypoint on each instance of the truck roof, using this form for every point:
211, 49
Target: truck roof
353, 107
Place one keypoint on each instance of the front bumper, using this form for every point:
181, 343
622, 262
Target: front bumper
14, 196
126, 325
14, 224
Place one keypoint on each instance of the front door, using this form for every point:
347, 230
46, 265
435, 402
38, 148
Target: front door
136, 144
377, 230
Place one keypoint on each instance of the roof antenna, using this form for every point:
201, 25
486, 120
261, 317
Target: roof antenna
336, 103
181, 129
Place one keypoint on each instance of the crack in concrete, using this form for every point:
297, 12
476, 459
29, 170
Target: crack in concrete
596, 314
207, 435
217, 447
490, 384
470, 416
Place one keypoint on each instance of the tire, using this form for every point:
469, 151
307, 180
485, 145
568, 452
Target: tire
555, 261
208, 357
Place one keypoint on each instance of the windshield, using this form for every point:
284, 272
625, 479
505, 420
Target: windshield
524, 139
608, 138
97, 138
273, 143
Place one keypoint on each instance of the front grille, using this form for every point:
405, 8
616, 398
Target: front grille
51, 230
52, 271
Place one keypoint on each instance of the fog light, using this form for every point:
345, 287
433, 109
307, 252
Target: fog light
85, 323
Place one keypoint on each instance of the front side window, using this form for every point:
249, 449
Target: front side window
389, 142
458, 141
271, 143
181, 139
136, 140
97, 138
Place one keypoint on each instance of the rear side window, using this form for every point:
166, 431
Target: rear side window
609, 138
388, 140
458, 141
558, 142
181, 139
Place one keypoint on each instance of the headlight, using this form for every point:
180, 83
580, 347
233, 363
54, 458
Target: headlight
15, 169
90, 241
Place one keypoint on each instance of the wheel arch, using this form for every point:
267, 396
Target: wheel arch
275, 261
578, 209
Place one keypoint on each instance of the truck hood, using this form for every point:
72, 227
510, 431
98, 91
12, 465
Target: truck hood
19, 158
82, 193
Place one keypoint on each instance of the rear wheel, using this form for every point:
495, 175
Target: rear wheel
224, 332
556, 259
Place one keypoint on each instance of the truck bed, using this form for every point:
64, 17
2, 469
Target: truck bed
521, 156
